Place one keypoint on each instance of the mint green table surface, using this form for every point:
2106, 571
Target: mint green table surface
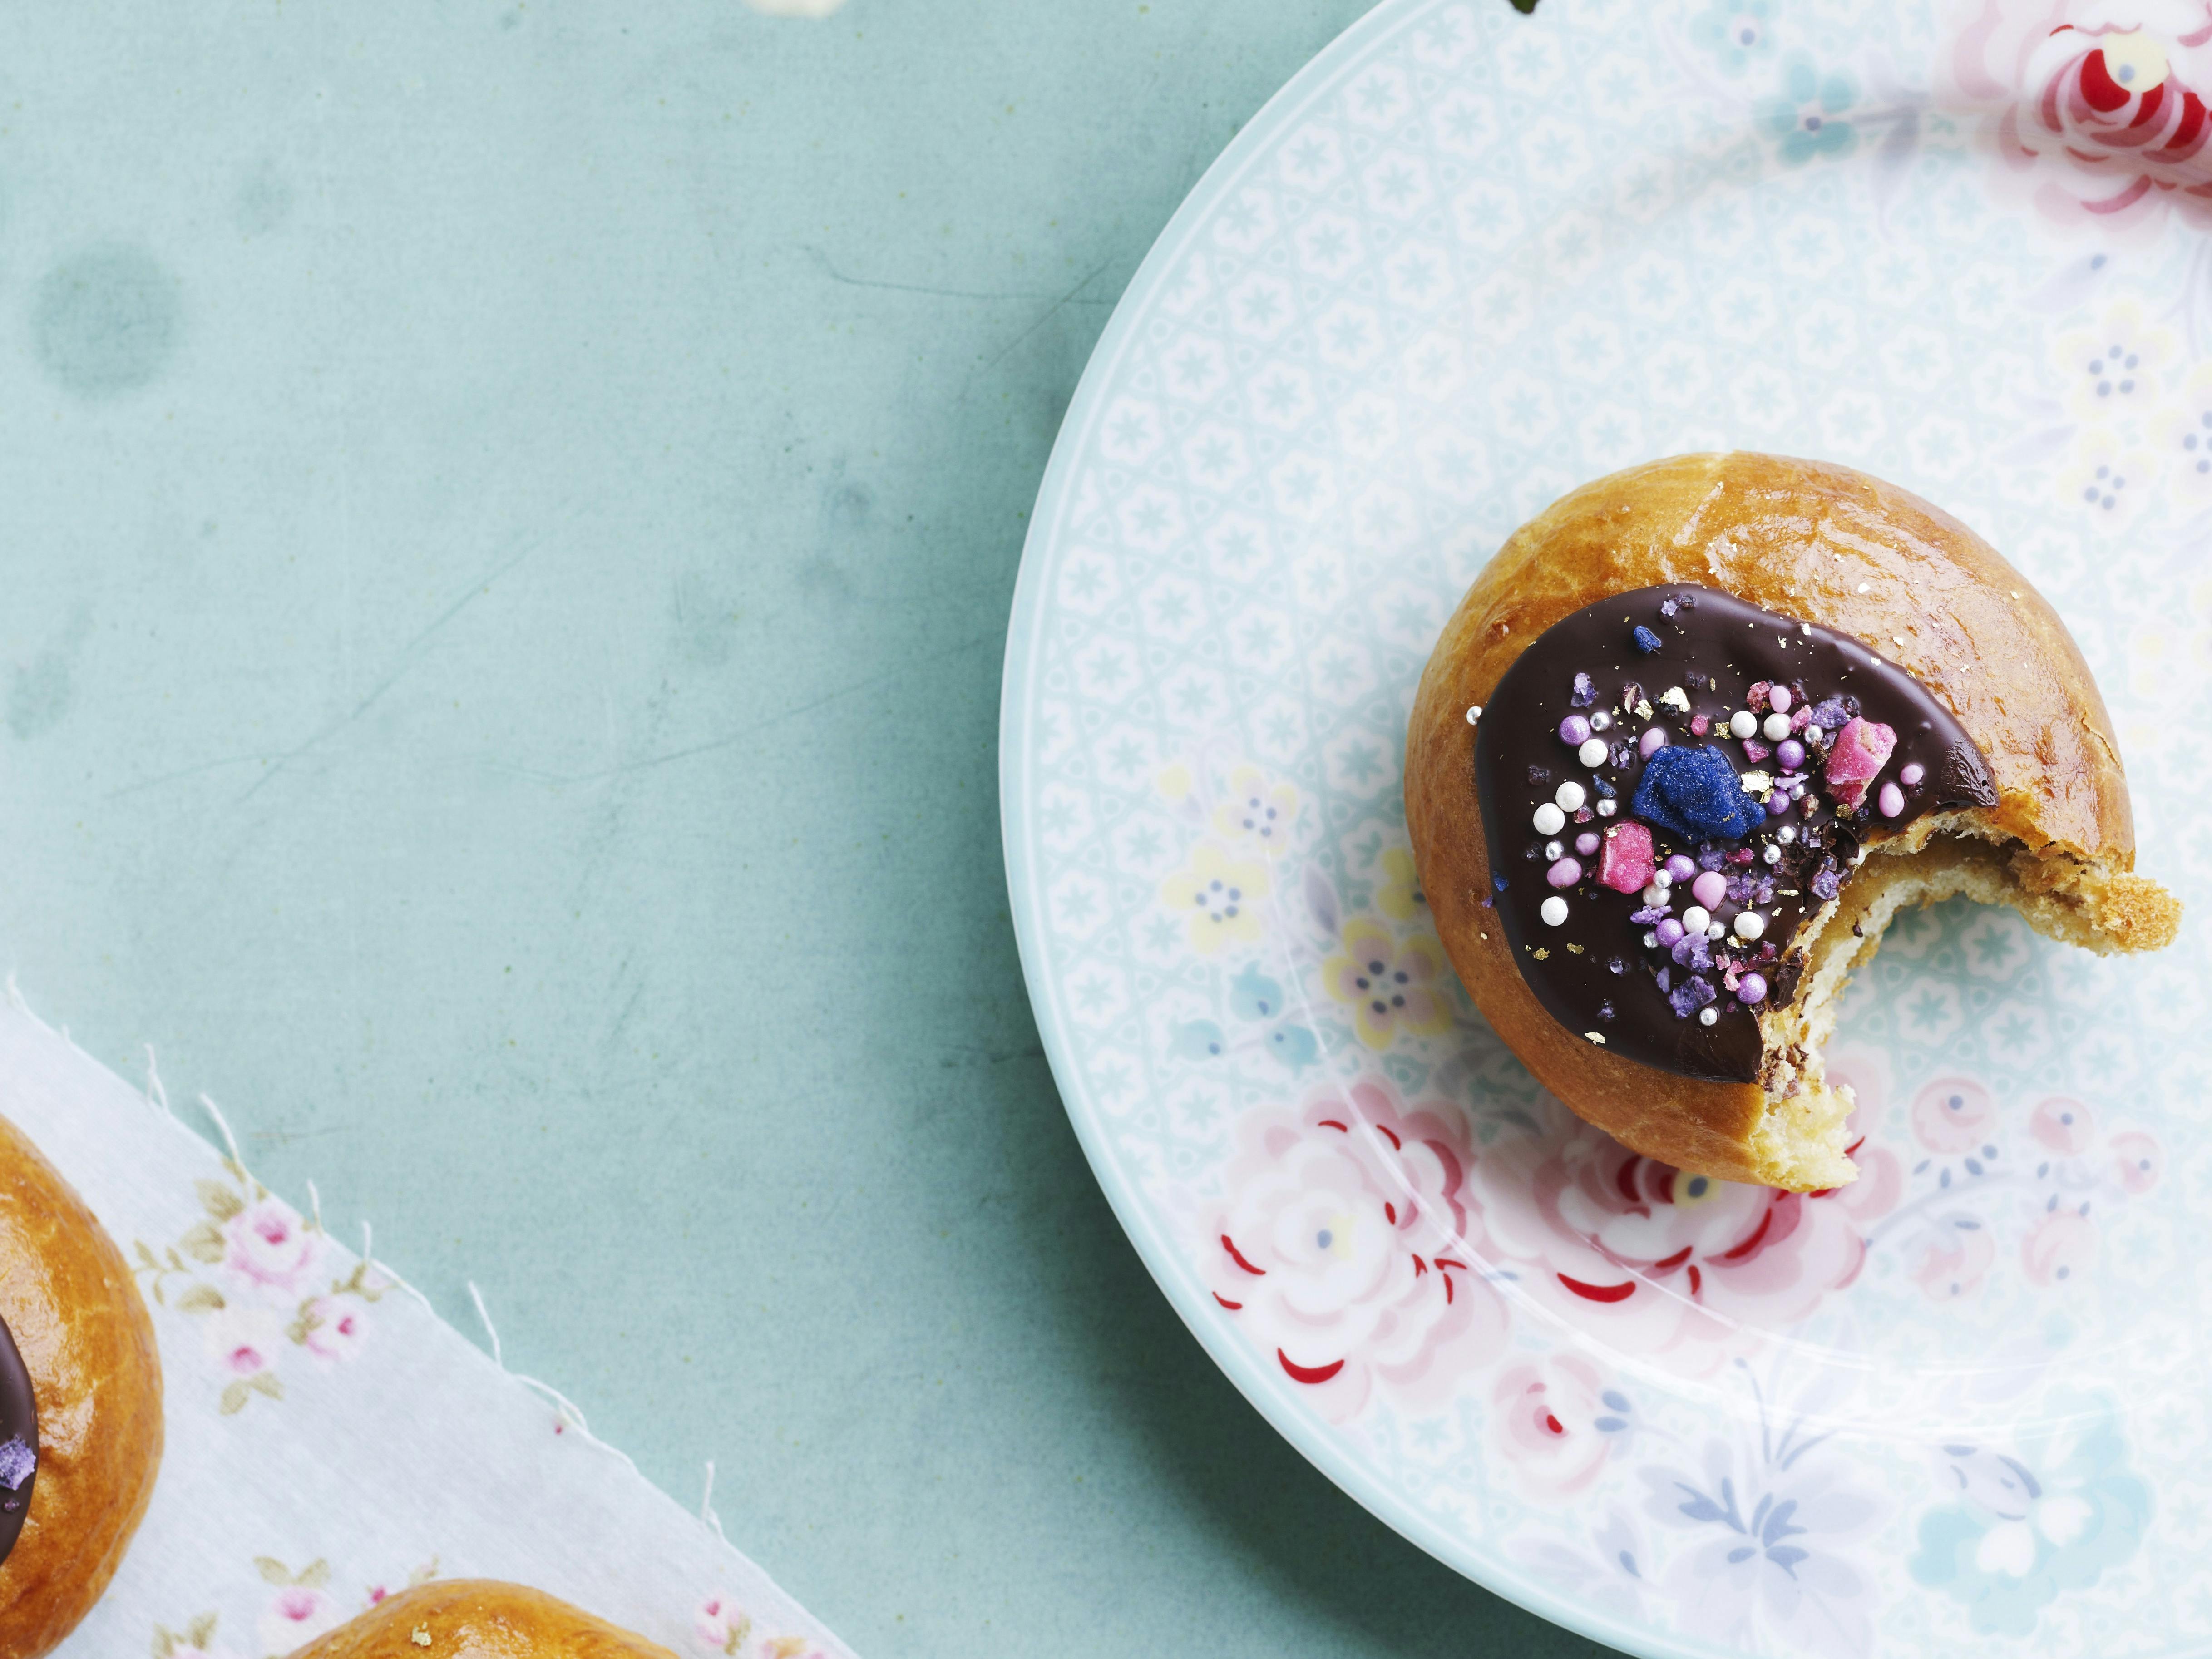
509, 522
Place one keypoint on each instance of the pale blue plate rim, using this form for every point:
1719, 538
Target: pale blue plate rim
1175, 1275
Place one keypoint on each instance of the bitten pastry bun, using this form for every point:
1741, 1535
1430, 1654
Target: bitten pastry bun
80, 1404
1694, 736
478, 1619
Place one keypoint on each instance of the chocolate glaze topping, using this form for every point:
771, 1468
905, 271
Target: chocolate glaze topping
1682, 660
19, 1442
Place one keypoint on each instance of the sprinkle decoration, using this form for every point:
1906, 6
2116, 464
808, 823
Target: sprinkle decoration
1701, 777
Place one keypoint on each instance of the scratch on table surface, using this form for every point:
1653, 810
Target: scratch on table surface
752, 728
409, 655
1057, 306
830, 269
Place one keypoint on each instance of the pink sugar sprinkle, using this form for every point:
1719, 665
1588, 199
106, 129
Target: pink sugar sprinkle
1755, 751
1803, 718
1755, 698
1700, 725
1624, 862
1862, 749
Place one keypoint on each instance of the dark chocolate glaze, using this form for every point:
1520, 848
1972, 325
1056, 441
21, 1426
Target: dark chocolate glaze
19, 1427
1596, 974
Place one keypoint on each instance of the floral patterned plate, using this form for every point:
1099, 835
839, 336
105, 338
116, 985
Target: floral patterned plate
1465, 261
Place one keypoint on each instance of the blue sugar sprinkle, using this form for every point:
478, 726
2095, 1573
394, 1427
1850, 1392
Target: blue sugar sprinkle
1646, 641
1500, 882
1694, 795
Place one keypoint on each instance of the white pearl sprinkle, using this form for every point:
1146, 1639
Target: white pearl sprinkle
1714, 931
1570, 795
1776, 727
1553, 849
1707, 1017
1607, 807
1654, 894
1600, 720
1651, 941
1778, 698
1744, 723
1695, 918
1662, 880
1549, 820
1812, 734
1772, 855
1592, 753
1553, 911
1474, 713
1786, 834
1750, 925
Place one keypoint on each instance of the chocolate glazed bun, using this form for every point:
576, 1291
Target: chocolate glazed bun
74, 1315
478, 1619
2050, 834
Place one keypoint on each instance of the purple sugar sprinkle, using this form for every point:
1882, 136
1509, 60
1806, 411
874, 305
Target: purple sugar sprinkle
1622, 755
1605, 1010
1668, 607
1830, 716
1585, 693
1825, 881
1617, 965
1778, 803
1710, 858
1692, 951
1679, 867
1689, 996
1646, 641
1741, 887
1631, 694
1764, 893
1664, 975
1649, 916
1539, 775
18, 1463
1695, 681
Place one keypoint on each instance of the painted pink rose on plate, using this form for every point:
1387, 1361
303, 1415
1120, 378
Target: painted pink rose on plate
268, 1244
1553, 1423
2097, 106
1954, 1258
1657, 1260
1341, 1248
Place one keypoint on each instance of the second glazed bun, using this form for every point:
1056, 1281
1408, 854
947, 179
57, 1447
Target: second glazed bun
1827, 545
478, 1619
68, 1299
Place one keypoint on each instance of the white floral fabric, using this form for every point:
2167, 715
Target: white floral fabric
330, 1439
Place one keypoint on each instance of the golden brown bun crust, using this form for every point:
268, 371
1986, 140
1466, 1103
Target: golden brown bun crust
74, 1311
479, 1619
1798, 538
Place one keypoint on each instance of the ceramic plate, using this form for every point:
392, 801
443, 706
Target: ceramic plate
1466, 261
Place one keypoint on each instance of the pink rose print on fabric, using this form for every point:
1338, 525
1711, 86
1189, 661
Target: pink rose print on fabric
1555, 1422
268, 1244
1341, 1248
332, 1328
1653, 1259
2097, 105
720, 1625
296, 1616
